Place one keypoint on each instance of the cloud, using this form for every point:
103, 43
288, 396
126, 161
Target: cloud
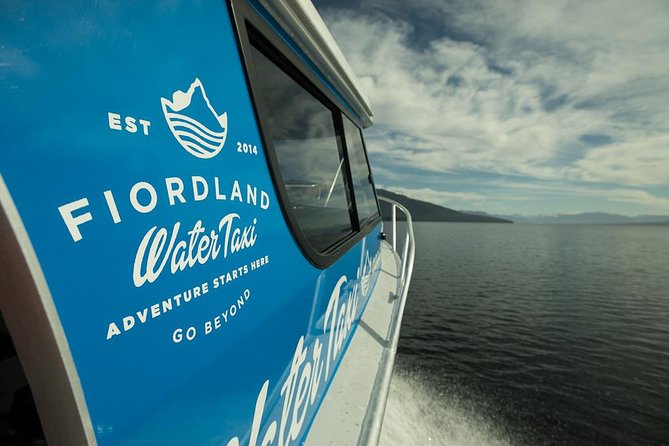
627, 163
517, 88
637, 197
506, 191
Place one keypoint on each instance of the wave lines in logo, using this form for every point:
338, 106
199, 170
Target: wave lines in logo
195, 137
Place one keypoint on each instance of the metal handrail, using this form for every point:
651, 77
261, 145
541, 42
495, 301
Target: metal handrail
371, 426
406, 257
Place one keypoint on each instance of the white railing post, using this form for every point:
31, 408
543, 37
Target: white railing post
405, 251
394, 214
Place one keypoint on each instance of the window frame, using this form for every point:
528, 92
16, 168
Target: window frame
370, 178
254, 31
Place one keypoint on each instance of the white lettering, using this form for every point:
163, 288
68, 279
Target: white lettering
145, 125
236, 192
219, 195
299, 394
300, 388
130, 125
154, 251
174, 192
143, 315
155, 310
236, 239
251, 195
330, 314
197, 195
264, 200
128, 323
144, 197
111, 204
112, 331
152, 268
144, 209
114, 121
72, 222
177, 336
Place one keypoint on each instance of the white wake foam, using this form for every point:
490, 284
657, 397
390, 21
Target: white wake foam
417, 415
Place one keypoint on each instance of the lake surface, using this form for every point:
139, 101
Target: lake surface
534, 335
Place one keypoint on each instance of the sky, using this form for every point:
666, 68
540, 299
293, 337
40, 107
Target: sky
515, 107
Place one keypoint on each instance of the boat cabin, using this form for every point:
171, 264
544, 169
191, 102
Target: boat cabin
192, 249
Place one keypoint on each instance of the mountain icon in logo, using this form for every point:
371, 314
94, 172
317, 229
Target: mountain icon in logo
194, 122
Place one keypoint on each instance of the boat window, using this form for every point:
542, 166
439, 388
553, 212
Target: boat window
310, 158
365, 199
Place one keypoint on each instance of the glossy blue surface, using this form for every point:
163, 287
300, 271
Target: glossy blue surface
99, 156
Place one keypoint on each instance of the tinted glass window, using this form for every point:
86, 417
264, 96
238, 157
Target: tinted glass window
310, 160
365, 200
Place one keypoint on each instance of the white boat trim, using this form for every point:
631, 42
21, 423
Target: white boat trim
300, 19
38, 335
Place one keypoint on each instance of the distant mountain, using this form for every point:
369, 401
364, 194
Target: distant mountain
424, 211
590, 218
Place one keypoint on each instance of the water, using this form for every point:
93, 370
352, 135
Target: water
534, 335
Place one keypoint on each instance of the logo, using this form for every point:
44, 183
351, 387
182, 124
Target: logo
199, 139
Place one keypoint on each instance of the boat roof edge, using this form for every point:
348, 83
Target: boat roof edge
301, 20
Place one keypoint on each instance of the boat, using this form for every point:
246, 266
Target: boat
192, 247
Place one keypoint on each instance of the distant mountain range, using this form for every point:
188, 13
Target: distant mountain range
424, 211
586, 218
